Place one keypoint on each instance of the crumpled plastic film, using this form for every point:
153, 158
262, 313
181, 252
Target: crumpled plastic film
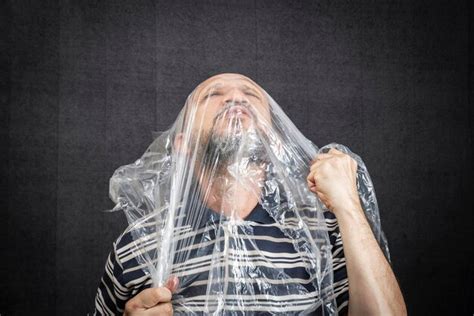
188, 197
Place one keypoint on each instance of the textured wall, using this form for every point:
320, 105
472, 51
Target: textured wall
87, 82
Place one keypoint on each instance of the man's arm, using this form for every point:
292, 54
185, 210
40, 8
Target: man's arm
373, 288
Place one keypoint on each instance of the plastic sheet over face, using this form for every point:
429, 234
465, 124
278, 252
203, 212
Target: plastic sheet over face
191, 195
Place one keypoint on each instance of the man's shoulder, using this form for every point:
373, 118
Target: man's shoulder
122, 279
129, 260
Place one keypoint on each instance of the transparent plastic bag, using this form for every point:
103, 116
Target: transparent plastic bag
232, 166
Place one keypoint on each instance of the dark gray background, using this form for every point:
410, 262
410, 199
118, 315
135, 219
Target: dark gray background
86, 82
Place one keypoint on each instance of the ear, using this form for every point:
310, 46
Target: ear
179, 144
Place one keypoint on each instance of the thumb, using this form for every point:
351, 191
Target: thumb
172, 283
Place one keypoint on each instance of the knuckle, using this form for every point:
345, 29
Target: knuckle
164, 293
168, 308
342, 158
128, 306
158, 293
350, 159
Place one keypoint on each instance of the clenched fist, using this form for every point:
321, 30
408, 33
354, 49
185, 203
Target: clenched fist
152, 301
333, 177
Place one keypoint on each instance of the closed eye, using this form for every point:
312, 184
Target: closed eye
252, 95
211, 94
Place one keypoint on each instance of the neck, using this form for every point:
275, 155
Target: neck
234, 197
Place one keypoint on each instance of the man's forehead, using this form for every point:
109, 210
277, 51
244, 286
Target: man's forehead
227, 79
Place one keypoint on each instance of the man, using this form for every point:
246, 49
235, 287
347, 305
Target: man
229, 112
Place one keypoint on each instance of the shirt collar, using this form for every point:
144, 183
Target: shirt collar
258, 215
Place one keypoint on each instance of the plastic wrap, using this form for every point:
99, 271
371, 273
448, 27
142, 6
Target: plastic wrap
189, 196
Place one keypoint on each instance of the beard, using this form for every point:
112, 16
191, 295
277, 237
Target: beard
217, 152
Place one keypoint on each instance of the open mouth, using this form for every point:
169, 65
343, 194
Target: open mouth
237, 110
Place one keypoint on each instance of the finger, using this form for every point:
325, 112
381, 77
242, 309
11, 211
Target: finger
172, 283
318, 162
310, 177
150, 297
160, 309
335, 151
312, 186
315, 165
320, 156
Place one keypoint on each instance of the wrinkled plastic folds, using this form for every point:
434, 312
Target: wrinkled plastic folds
232, 144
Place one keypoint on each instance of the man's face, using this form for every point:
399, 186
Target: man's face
229, 103
228, 110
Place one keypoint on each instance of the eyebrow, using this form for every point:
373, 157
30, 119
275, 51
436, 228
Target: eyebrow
244, 86
252, 89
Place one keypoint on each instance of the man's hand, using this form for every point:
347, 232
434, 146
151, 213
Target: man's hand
152, 301
333, 178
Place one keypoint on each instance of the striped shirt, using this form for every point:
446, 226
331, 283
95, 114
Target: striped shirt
262, 249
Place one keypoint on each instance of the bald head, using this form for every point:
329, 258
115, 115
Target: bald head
227, 78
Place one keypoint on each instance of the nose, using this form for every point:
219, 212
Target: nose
236, 96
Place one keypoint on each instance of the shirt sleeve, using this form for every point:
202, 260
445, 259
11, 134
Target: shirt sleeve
340, 279
112, 293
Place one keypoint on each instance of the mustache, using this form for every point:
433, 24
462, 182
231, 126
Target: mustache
230, 104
